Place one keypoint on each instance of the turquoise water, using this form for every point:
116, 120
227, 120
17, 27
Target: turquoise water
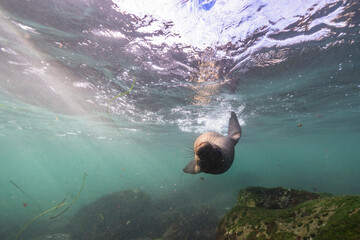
295, 87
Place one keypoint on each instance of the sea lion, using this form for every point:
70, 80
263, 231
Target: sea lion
214, 153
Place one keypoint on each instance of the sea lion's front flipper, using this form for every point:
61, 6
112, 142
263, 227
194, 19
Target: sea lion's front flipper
192, 167
234, 131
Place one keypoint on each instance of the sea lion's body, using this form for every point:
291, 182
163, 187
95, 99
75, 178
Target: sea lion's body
214, 153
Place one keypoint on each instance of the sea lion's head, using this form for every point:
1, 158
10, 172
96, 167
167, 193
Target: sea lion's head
214, 153
209, 157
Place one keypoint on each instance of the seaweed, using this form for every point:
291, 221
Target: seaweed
52, 215
61, 204
32, 220
107, 107
6, 106
27, 195
73, 201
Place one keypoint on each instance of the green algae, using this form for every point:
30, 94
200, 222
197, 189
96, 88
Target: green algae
323, 218
274, 198
345, 222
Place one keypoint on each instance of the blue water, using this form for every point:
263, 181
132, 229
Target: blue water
290, 71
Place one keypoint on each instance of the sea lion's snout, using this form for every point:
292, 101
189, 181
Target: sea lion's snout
204, 150
210, 157
207, 151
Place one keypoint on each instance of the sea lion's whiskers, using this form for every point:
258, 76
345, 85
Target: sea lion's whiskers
189, 152
190, 148
189, 156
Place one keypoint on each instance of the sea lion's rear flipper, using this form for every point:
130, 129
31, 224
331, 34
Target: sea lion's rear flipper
192, 167
234, 131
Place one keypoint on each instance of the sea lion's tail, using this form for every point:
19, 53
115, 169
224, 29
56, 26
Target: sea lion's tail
234, 131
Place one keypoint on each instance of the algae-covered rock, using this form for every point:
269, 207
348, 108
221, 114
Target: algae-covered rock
197, 225
291, 214
274, 198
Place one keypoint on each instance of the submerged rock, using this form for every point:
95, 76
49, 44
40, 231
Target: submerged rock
8, 230
56, 236
279, 213
132, 215
118, 215
273, 198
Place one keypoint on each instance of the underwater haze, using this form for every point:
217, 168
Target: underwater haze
290, 70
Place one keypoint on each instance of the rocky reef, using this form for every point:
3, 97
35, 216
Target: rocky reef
260, 214
7, 230
56, 236
132, 215
282, 213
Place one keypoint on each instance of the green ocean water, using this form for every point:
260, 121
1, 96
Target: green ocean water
299, 116
47, 153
